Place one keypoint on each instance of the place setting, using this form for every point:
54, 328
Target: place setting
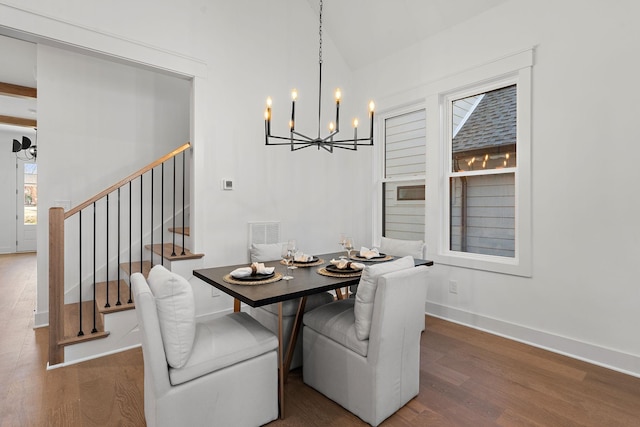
255, 274
370, 255
342, 268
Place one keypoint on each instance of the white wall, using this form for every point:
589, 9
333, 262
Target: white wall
582, 298
98, 122
246, 57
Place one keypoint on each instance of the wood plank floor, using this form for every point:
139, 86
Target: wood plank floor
467, 378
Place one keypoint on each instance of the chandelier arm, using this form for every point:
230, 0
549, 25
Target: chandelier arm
301, 146
307, 138
353, 142
289, 139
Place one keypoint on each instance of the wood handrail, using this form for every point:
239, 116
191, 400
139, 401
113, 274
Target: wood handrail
125, 181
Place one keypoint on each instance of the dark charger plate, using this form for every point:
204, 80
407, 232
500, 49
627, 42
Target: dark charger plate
255, 278
314, 259
334, 269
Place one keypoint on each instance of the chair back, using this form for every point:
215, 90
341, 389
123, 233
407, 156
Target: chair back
400, 247
156, 371
394, 341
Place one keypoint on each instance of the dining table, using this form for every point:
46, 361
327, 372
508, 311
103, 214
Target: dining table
309, 278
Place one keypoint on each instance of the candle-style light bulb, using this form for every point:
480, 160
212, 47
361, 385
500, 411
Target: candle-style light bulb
372, 106
267, 118
338, 95
331, 126
294, 96
355, 123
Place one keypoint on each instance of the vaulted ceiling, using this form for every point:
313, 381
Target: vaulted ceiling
363, 31
367, 30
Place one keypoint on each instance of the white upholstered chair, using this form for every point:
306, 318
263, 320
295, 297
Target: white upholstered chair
399, 247
267, 315
219, 372
376, 376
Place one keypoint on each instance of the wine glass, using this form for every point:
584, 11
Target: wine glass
288, 257
292, 248
341, 242
348, 245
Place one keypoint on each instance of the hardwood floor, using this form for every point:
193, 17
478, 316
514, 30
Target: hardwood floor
467, 378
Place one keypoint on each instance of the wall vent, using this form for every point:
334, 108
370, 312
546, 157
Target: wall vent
264, 232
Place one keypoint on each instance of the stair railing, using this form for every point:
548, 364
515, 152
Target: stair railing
57, 258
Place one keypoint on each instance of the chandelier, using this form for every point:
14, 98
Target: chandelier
297, 140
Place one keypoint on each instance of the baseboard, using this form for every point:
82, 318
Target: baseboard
612, 359
41, 319
91, 357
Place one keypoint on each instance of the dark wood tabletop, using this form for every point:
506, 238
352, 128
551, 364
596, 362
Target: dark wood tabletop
306, 281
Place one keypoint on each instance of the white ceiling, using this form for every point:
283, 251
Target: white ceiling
367, 30
363, 30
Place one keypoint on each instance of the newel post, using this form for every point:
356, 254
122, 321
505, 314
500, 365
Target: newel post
56, 284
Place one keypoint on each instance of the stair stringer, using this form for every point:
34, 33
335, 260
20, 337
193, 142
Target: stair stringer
123, 335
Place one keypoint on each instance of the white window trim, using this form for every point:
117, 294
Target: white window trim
515, 69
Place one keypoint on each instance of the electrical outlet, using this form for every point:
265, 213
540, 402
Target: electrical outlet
453, 287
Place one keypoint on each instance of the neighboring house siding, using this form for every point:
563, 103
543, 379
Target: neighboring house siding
405, 145
490, 219
405, 137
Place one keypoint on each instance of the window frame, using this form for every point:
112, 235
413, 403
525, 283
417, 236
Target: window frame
515, 69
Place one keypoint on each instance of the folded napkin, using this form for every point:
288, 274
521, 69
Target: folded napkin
302, 257
369, 253
255, 268
343, 264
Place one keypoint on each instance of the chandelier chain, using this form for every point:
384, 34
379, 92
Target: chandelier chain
320, 33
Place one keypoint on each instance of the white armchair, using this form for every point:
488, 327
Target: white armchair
267, 315
219, 372
372, 377
400, 247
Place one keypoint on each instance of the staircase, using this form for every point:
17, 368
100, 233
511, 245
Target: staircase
100, 319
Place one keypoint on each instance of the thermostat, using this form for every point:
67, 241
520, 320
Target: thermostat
227, 184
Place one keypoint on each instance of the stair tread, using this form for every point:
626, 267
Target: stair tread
71, 324
136, 268
166, 250
101, 297
181, 230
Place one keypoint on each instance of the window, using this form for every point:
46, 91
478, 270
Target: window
483, 159
403, 182
462, 143
483, 215
30, 193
